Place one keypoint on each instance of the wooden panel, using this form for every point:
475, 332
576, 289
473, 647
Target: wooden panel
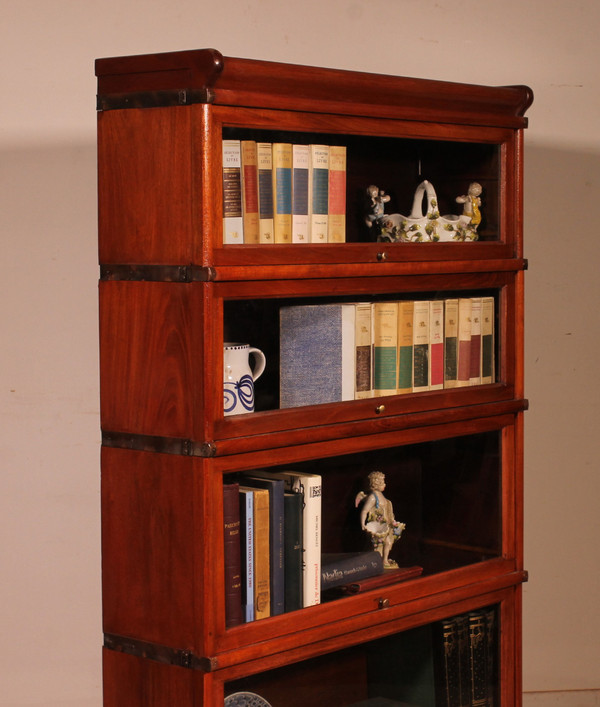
145, 186
130, 681
147, 365
149, 547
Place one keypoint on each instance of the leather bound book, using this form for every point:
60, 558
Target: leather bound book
232, 555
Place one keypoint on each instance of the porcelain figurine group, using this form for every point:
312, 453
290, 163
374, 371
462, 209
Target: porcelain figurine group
431, 226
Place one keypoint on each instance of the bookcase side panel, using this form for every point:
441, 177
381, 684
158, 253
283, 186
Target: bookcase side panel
145, 186
148, 547
131, 681
147, 368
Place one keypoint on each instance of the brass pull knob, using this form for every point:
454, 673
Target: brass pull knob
379, 409
382, 257
384, 603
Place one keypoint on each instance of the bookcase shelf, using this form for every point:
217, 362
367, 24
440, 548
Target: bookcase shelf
171, 294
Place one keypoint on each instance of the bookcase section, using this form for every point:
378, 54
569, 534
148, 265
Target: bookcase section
312, 396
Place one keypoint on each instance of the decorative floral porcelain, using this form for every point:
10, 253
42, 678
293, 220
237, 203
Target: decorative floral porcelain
429, 227
238, 377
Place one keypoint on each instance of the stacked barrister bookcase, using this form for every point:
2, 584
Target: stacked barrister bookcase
171, 294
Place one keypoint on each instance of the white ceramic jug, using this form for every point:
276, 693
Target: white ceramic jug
238, 377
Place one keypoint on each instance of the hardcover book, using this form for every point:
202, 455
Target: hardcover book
450, 343
233, 226
364, 350
275, 488
385, 347
262, 582
336, 224
300, 226
338, 569
309, 485
487, 341
317, 354
293, 560
250, 191
475, 367
405, 346
464, 342
264, 155
232, 555
421, 347
436, 345
318, 192
282, 192
247, 552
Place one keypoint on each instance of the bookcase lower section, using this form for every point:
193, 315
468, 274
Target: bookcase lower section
466, 656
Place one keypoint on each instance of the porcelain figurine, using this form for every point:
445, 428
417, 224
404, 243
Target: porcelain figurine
430, 226
472, 202
377, 518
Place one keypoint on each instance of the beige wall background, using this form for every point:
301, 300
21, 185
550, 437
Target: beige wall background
50, 622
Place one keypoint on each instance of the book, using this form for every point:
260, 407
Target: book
389, 577
264, 156
317, 354
282, 192
275, 488
262, 582
318, 192
336, 217
309, 485
478, 659
300, 227
385, 345
250, 190
232, 555
405, 346
233, 227
338, 569
247, 552
447, 665
292, 539
364, 351
487, 340
436, 344
475, 367
421, 346
464, 342
450, 343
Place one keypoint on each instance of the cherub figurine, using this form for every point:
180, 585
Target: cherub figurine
377, 200
472, 202
377, 518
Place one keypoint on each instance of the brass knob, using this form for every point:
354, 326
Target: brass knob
384, 603
382, 257
379, 409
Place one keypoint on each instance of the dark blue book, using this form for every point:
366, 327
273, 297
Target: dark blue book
292, 543
276, 535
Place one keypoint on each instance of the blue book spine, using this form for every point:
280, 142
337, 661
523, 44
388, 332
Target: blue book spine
247, 552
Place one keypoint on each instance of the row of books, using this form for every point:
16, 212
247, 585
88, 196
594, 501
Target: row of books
272, 548
465, 660
337, 352
283, 192
272, 534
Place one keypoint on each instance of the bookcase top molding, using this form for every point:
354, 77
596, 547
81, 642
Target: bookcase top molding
206, 76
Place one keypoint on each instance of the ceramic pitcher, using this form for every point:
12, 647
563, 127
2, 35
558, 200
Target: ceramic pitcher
239, 377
